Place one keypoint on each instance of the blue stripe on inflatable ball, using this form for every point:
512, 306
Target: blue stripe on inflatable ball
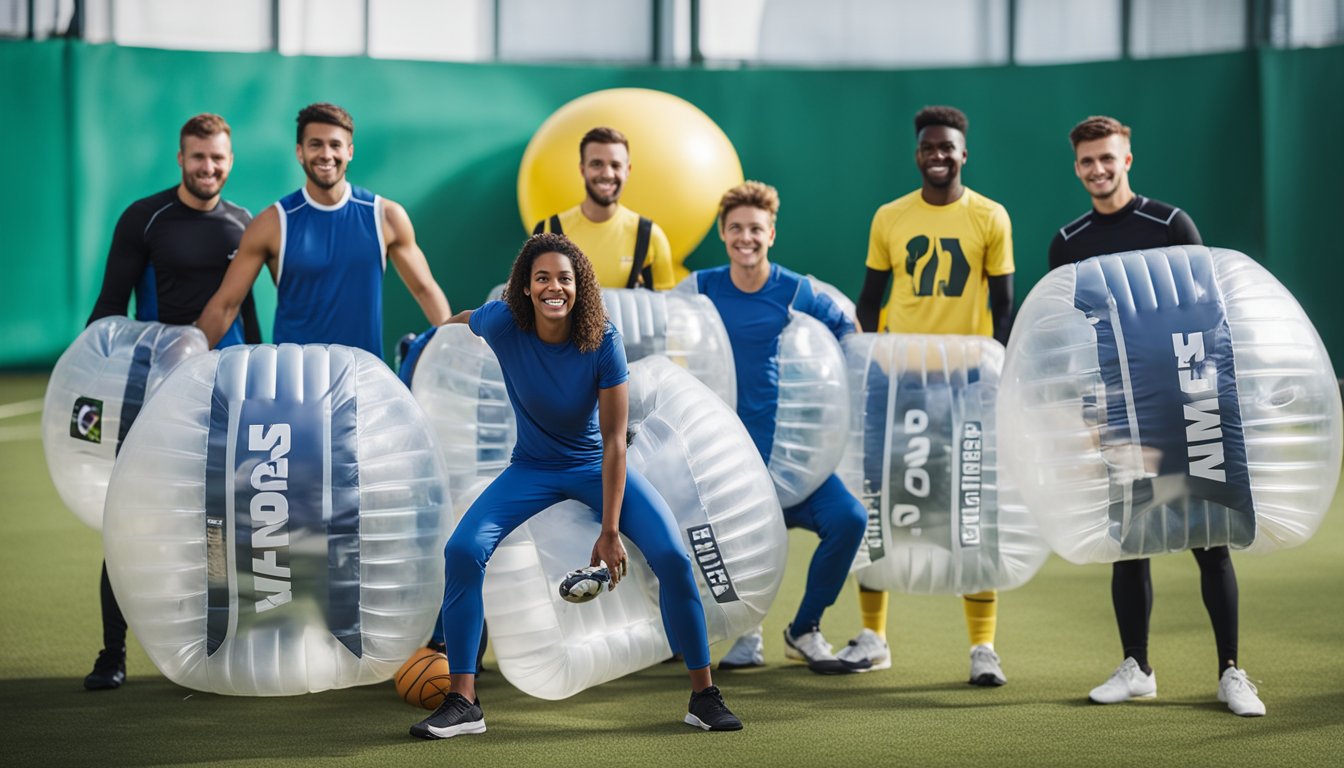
1166, 358
284, 417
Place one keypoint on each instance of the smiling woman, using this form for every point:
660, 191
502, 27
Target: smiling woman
565, 372
553, 291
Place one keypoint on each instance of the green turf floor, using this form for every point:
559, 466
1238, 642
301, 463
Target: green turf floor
1056, 636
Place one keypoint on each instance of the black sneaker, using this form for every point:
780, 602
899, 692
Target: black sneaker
109, 671
708, 712
455, 716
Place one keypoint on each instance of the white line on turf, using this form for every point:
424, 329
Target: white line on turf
16, 434
21, 408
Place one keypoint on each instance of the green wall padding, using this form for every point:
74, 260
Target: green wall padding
37, 314
88, 129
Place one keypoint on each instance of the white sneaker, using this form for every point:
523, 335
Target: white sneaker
747, 652
870, 647
985, 669
1239, 693
812, 648
1127, 682
867, 646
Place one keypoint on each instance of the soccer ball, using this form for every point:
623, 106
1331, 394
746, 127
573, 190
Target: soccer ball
584, 584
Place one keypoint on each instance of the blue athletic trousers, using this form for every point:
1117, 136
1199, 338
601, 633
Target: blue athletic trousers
522, 491
839, 520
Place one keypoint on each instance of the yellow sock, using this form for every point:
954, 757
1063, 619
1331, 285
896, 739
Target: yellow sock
982, 613
873, 608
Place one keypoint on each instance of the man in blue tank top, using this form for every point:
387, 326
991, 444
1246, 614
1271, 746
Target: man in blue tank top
327, 245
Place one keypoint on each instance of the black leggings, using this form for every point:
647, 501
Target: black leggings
114, 624
1132, 595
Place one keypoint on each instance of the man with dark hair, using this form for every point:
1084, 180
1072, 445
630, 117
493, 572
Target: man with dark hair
1119, 220
952, 250
627, 250
327, 245
1122, 221
172, 250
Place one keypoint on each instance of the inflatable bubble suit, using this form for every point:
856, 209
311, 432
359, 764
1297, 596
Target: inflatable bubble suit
682, 325
95, 392
1166, 400
459, 384
812, 417
842, 301
276, 522
458, 381
699, 457
923, 458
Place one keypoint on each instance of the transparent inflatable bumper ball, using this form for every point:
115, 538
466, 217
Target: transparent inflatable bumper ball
276, 522
93, 397
459, 384
924, 457
680, 325
1170, 399
697, 455
813, 413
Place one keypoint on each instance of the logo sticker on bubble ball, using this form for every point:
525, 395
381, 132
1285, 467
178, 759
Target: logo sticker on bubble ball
969, 472
705, 550
86, 420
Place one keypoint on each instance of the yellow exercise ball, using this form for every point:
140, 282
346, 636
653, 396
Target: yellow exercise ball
681, 163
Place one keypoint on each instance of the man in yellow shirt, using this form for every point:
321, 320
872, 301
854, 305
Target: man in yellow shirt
627, 250
950, 251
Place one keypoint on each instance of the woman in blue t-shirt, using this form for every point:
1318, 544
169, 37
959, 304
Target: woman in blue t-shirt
565, 372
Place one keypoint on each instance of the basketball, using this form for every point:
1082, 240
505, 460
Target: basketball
423, 680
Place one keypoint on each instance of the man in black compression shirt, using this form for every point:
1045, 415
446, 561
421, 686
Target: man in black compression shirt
172, 249
1119, 220
1123, 221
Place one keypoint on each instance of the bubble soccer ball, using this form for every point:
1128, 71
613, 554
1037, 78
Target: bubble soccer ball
813, 414
458, 381
692, 449
681, 163
95, 393
684, 327
459, 384
924, 457
276, 522
1170, 399
847, 308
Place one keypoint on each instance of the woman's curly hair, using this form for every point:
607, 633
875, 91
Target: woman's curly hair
589, 316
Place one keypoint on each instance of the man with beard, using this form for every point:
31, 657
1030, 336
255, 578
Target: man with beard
627, 250
1122, 221
1119, 219
172, 249
327, 245
952, 252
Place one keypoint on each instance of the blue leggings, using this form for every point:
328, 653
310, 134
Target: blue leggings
522, 491
840, 520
